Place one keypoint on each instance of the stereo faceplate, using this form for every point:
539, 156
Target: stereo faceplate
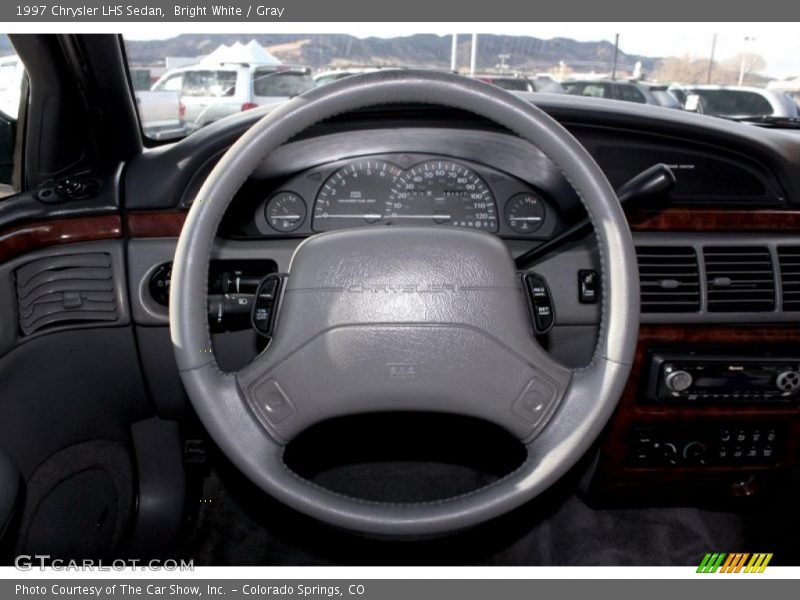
698, 378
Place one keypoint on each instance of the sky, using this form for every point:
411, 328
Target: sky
778, 43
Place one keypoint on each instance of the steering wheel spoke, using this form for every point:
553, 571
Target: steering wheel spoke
357, 369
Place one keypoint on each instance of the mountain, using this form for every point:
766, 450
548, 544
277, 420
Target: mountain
422, 50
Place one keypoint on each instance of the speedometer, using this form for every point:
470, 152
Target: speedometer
354, 195
441, 192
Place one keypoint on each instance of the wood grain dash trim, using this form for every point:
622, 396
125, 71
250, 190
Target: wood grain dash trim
714, 219
155, 224
33, 236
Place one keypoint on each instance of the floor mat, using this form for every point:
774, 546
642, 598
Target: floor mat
237, 524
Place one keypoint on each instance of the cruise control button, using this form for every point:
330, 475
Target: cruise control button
541, 305
262, 317
544, 317
265, 303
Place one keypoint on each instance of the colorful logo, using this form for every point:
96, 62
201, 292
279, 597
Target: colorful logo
734, 563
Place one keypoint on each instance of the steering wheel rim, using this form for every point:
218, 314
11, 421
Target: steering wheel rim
578, 403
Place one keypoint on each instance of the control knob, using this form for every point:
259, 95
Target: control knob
695, 453
788, 381
678, 381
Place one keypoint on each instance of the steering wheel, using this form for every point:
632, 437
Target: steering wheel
404, 319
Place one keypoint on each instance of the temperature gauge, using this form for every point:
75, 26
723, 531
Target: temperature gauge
525, 212
285, 211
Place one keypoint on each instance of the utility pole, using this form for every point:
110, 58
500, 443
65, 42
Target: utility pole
616, 54
743, 64
711, 58
454, 53
474, 54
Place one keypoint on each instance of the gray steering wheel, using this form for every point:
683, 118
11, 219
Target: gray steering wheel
404, 319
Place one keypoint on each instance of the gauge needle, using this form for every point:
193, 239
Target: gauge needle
373, 216
437, 217
524, 218
286, 217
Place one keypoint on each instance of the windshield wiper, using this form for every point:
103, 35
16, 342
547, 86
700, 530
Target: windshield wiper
769, 121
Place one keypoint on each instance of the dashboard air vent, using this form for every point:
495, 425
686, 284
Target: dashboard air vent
789, 258
739, 279
669, 279
65, 289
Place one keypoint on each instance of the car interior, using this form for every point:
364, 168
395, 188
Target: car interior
405, 318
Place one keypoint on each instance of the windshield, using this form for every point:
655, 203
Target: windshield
186, 82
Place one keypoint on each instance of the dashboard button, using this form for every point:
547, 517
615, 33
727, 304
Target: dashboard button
160, 282
541, 304
272, 401
534, 402
265, 303
588, 286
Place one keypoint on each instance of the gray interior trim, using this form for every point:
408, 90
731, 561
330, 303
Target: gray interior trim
161, 485
9, 490
10, 336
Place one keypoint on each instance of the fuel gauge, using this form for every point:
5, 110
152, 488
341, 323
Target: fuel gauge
285, 211
525, 212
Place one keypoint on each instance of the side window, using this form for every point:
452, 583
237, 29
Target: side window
214, 84
733, 103
7, 72
12, 80
748, 103
595, 90
173, 83
630, 94
281, 83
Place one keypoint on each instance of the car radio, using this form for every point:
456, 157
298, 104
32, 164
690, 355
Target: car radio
676, 377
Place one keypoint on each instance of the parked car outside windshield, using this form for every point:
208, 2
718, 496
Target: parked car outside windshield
220, 75
743, 102
208, 94
627, 91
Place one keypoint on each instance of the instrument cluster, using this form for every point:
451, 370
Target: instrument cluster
405, 189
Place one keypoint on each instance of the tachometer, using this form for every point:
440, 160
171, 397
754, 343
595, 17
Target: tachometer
355, 195
441, 192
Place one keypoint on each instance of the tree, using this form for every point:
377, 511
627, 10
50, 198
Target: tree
689, 70
681, 69
745, 65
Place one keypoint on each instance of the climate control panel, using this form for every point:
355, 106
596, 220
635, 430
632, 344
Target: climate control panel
729, 445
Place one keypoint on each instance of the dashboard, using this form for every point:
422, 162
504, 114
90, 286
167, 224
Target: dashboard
734, 210
401, 189
379, 170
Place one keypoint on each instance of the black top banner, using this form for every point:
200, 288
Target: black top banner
71, 11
